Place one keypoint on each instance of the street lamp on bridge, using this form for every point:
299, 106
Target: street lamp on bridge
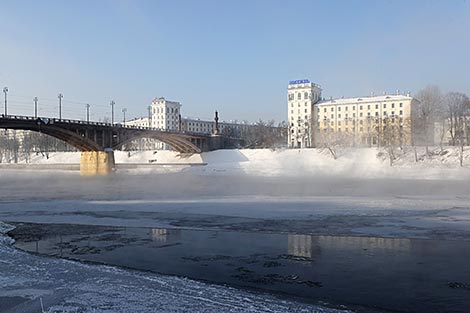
124, 110
60, 96
5, 90
112, 111
87, 106
35, 100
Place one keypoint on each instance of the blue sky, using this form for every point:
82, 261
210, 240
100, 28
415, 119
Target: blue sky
233, 56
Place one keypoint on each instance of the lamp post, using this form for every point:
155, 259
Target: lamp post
112, 111
5, 90
124, 110
87, 106
35, 100
60, 96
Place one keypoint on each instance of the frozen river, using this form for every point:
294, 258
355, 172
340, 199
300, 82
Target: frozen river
436, 209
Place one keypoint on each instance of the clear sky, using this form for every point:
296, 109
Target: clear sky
233, 56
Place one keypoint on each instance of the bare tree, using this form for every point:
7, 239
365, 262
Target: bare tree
430, 99
458, 110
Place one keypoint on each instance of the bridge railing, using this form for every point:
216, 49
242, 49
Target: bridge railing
48, 120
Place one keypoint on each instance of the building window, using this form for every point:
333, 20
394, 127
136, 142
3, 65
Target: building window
360, 107
332, 116
376, 113
360, 114
339, 108
368, 107
385, 105
306, 95
401, 105
324, 110
401, 112
306, 110
393, 105
339, 115
376, 106
354, 107
299, 96
346, 108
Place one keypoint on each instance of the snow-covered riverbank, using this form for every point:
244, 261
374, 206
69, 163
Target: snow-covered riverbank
356, 163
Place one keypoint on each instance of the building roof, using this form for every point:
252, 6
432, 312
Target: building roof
381, 98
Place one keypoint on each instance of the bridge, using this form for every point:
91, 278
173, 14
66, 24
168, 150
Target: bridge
97, 140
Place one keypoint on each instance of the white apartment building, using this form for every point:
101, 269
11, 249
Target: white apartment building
301, 96
368, 120
138, 122
197, 126
165, 114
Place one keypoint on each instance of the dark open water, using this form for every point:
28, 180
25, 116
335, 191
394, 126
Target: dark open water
405, 275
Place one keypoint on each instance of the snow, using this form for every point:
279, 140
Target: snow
361, 163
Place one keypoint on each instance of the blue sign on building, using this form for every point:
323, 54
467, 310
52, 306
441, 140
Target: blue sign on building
299, 81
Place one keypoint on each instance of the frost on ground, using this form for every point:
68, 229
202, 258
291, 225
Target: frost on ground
66, 286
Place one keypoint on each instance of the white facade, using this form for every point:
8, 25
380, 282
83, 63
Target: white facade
197, 126
364, 120
301, 96
165, 114
138, 122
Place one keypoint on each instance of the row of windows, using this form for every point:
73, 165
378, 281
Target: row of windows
162, 110
346, 116
299, 96
361, 107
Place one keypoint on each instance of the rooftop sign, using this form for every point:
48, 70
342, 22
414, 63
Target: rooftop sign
300, 81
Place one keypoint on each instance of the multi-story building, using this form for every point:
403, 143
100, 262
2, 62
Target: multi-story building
165, 114
138, 122
301, 96
372, 120
197, 126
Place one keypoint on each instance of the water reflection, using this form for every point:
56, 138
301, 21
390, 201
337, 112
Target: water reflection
304, 246
409, 275
364, 243
165, 235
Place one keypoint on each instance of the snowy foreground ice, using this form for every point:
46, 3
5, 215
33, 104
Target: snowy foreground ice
288, 191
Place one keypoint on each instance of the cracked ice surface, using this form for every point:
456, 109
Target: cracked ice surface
68, 286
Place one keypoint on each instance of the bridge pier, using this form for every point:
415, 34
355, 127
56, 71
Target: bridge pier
94, 163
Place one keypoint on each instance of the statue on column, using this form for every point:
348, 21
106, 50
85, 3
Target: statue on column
216, 126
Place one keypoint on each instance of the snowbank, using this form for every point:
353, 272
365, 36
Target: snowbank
350, 163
